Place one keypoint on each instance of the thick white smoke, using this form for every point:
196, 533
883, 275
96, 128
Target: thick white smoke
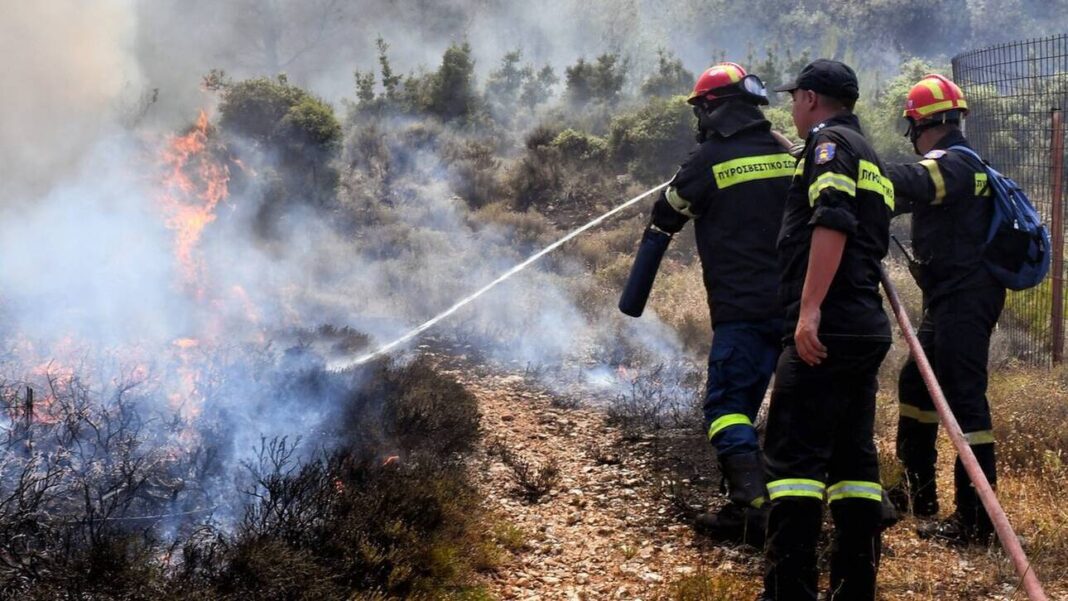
70, 72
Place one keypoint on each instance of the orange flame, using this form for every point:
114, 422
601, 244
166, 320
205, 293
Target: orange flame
187, 399
193, 187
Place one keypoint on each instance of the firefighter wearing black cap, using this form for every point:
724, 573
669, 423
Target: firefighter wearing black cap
820, 437
951, 206
733, 187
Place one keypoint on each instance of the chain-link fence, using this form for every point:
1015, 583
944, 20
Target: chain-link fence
1017, 95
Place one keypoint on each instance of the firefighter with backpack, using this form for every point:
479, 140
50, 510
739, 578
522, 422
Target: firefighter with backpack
949, 193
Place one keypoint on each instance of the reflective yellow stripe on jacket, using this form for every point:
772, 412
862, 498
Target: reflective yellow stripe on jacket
835, 181
936, 178
747, 169
871, 179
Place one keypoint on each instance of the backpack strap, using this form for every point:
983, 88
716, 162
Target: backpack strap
994, 174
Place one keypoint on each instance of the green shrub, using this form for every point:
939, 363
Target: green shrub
275, 113
653, 140
578, 146
297, 129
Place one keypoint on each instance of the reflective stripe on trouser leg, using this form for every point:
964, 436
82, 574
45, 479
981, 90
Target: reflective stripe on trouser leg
915, 413
855, 489
796, 487
979, 437
726, 421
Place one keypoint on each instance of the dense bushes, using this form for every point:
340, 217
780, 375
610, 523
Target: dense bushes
297, 135
651, 141
280, 116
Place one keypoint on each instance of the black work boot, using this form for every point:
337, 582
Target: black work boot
790, 555
969, 524
889, 515
744, 519
856, 549
916, 493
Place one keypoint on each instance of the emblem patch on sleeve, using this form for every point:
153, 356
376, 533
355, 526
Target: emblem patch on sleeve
824, 152
935, 154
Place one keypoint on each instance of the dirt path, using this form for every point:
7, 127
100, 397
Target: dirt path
606, 530
610, 529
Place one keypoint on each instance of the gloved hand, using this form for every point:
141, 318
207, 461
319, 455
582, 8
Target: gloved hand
666, 218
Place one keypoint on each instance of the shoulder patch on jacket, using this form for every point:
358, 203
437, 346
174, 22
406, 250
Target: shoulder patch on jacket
935, 154
825, 152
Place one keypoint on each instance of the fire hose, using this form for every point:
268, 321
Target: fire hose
345, 364
1006, 534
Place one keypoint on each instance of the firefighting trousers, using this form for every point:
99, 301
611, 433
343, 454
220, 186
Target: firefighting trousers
740, 365
955, 335
820, 446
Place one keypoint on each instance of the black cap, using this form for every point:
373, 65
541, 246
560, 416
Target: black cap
827, 77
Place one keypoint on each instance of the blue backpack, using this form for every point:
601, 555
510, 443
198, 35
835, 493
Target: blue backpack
1017, 250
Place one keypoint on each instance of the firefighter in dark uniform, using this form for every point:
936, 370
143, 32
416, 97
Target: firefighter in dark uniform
734, 187
951, 206
820, 436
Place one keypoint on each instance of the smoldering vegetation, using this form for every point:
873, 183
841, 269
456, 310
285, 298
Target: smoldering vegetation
98, 503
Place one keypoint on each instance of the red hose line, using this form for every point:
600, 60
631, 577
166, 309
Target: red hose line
1006, 535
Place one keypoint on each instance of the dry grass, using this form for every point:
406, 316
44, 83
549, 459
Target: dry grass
714, 586
1029, 407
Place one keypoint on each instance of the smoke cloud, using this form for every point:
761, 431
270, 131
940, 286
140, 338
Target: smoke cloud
69, 68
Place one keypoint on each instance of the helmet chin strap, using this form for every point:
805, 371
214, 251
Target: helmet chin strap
916, 129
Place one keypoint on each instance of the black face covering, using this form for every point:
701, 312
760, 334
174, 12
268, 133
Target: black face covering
913, 133
703, 112
915, 130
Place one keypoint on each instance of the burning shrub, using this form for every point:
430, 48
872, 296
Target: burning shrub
95, 504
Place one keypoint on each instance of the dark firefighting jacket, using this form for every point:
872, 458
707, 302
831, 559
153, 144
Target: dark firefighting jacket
839, 183
733, 187
951, 204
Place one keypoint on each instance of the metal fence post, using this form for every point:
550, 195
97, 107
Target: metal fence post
1057, 225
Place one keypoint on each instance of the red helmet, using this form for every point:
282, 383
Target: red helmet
714, 79
934, 94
